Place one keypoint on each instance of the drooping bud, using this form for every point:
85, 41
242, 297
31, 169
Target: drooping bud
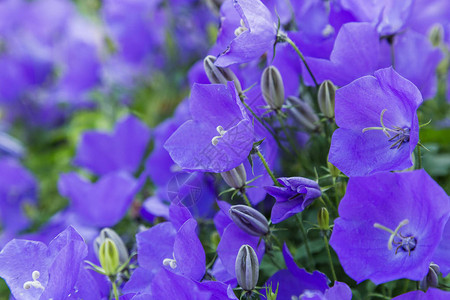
249, 219
247, 268
326, 96
220, 75
303, 114
436, 35
323, 218
236, 177
112, 235
432, 278
272, 87
108, 257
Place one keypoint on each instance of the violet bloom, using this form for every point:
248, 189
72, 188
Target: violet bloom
432, 293
255, 35
220, 135
339, 291
295, 281
390, 225
356, 53
34, 270
378, 124
122, 150
17, 188
295, 194
164, 246
100, 204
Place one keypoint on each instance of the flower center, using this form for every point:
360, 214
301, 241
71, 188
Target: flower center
399, 135
35, 283
407, 243
221, 131
240, 29
170, 262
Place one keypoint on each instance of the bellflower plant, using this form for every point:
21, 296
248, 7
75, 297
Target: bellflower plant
378, 126
220, 135
393, 235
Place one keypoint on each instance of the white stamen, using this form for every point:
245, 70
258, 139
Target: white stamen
240, 29
221, 131
35, 283
170, 262
327, 31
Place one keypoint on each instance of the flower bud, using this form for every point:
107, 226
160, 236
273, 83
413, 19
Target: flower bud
272, 87
236, 177
303, 114
249, 219
436, 35
247, 268
220, 75
326, 96
432, 278
323, 219
112, 235
109, 257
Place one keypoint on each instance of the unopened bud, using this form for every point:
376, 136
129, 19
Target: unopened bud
247, 268
236, 177
109, 257
249, 220
272, 87
112, 235
436, 35
432, 278
323, 219
326, 96
220, 75
303, 114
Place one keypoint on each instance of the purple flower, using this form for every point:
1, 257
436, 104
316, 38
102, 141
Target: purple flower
339, 291
294, 281
103, 203
255, 35
354, 40
441, 257
432, 293
220, 135
295, 194
378, 124
390, 225
123, 150
34, 270
17, 188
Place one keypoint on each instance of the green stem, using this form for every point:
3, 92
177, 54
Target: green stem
325, 239
116, 293
262, 123
299, 53
261, 157
305, 237
244, 195
419, 158
336, 198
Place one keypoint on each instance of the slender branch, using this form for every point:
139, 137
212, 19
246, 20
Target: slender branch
299, 53
244, 195
261, 157
327, 245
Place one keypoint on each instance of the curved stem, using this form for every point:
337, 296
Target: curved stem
263, 160
299, 53
244, 195
325, 239
116, 293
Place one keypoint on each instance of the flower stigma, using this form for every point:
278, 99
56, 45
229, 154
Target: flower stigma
240, 29
35, 283
221, 131
406, 243
170, 262
400, 135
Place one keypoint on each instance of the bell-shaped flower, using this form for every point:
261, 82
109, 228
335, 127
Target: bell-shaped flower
378, 125
391, 224
256, 33
34, 270
122, 150
432, 293
292, 197
220, 135
103, 203
295, 281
